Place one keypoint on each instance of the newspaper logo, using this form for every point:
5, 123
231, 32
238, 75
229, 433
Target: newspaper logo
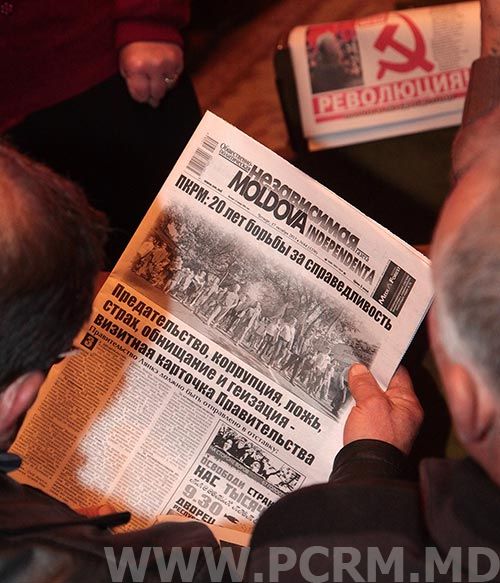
235, 158
415, 56
394, 288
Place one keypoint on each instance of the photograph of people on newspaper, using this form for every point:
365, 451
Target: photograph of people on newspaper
333, 56
241, 453
250, 303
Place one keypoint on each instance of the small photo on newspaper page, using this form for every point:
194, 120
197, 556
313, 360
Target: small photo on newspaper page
212, 375
232, 481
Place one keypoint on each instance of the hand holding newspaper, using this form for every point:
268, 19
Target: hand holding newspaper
212, 373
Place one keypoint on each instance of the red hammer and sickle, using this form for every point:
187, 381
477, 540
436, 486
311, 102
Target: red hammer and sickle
415, 57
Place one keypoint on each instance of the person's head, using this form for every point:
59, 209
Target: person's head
51, 249
465, 319
329, 47
228, 444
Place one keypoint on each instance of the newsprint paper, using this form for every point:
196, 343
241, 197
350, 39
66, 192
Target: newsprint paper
212, 374
384, 75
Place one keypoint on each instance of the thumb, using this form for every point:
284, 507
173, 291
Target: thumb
93, 511
362, 384
105, 509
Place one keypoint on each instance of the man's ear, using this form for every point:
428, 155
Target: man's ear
17, 398
471, 404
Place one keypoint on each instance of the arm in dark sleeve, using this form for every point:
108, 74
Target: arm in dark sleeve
368, 459
368, 477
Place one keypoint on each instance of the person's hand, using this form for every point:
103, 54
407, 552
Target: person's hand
93, 511
150, 69
490, 28
393, 416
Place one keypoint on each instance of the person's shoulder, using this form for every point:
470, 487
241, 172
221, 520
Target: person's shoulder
461, 502
350, 508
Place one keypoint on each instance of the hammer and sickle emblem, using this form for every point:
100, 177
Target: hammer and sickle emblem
414, 57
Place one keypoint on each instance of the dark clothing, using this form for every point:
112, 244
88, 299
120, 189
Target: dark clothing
43, 540
369, 503
484, 89
53, 50
64, 103
118, 150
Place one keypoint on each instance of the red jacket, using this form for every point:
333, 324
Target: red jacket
51, 50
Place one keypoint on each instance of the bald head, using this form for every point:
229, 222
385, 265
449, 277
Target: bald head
466, 258
467, 279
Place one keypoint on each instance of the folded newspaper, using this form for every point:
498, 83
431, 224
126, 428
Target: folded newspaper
393, 73
211, 378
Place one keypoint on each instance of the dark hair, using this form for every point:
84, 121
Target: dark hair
51, 249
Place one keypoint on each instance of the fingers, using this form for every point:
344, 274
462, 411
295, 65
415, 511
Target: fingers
401, 391
150, 69
138, 87
393, 416
401, 383
362, 384
145, 90
158, 88
92, 511
105, 509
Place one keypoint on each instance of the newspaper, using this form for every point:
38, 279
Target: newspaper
226, 536
211, 378
393, 73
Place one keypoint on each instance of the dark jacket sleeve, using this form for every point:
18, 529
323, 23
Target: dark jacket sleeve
42, 540
82, 553
368, 459
368, 477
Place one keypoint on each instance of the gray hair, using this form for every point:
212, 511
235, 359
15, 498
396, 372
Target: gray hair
467, 279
